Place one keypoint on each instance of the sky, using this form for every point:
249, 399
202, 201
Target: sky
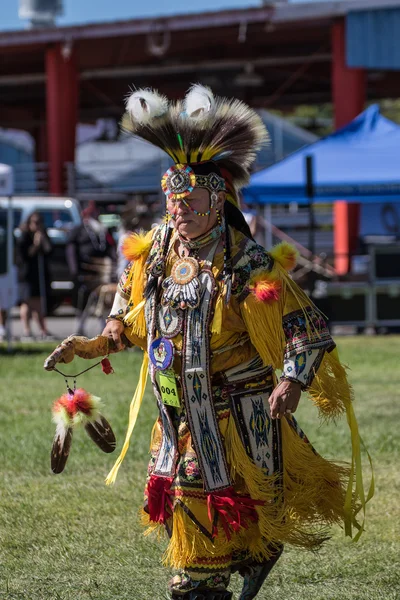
89, 11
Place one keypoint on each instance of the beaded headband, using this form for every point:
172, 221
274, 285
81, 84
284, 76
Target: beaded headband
180, 180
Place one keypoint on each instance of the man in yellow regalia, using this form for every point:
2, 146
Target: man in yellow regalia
232, 477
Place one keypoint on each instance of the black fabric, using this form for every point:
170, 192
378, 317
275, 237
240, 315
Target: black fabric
254, 574
205, 168
85, 249
30, 267
234, 217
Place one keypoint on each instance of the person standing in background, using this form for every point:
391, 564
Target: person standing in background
135, 216
91, 254
34, 249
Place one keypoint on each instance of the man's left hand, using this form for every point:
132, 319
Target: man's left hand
284, 399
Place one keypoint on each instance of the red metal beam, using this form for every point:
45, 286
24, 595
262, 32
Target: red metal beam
62, 113
349, 95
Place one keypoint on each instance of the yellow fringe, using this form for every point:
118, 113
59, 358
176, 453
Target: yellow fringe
332, 394
136, 319
264, 324
314, 486
133, 415
140, 245
278, 522
330, 390
302, 300
296, 510
357, 496
187, 543
264, 320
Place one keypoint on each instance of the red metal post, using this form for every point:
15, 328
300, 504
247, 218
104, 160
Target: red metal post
39, 135
348, 96
62, 113
70, 117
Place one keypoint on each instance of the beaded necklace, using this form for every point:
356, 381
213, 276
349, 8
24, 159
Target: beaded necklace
203, 240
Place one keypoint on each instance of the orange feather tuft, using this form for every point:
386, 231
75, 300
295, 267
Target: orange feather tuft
286, 255
136, 245
266, 291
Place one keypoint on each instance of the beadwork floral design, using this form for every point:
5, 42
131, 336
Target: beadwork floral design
253, 259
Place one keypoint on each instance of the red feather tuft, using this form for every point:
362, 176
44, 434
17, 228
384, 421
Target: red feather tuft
78, 401
266, 291
82, 402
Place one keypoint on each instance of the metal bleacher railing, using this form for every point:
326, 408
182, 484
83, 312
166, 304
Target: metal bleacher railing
31, 178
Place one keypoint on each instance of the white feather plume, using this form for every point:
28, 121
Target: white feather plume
145, 104
199, 101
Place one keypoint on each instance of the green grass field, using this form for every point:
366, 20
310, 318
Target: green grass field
69, 537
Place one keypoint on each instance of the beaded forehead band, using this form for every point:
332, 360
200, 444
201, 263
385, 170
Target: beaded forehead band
180, 180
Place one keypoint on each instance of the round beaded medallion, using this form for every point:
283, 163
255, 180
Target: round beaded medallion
178, 182
161, 353
182, 287
184, 270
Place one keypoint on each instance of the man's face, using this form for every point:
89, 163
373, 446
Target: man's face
186, 222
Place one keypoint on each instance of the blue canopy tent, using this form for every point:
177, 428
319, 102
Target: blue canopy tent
359, 163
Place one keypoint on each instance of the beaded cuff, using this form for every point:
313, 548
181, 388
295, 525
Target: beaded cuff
301, 368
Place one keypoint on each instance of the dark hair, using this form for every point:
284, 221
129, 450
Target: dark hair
234, 217
26, 223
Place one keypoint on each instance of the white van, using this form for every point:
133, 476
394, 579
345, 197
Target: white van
60, 215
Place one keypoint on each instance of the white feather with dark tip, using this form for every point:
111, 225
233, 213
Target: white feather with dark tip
199, 101
146, 104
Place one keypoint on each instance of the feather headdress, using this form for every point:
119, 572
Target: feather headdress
200, 128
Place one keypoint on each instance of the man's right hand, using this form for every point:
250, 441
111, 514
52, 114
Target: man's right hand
114, 329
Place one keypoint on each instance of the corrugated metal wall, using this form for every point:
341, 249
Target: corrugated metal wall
373, 39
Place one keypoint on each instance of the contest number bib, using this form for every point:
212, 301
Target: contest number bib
168, 388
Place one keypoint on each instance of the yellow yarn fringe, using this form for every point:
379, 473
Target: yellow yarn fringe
330, 390
332, 394
140, 244
136, 319
187, 543
356, 497
264, 320
314, 486
278, 520
133, 415
311, 497
264, 324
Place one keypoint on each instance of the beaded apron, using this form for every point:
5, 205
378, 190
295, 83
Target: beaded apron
196, 383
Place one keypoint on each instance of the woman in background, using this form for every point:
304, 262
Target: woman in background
34, 249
